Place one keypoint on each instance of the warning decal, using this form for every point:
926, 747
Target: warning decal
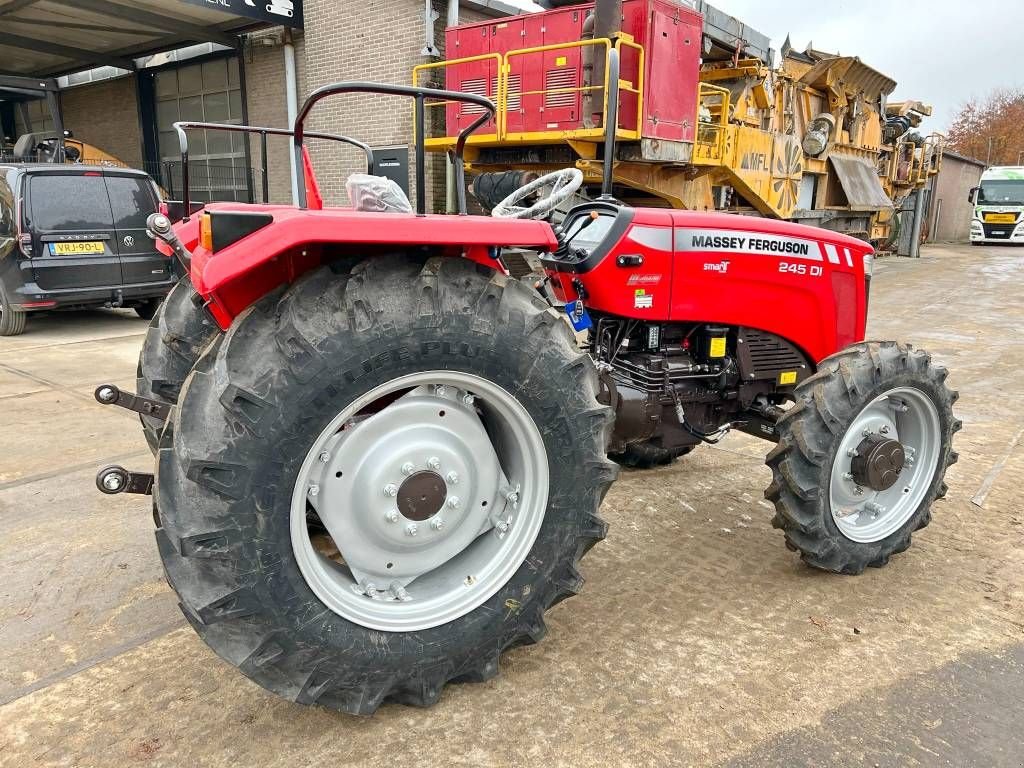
754, 243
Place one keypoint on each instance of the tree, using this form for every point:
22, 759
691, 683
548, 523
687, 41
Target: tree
992, 129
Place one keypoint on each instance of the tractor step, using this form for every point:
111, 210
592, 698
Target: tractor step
115, 479
108, 394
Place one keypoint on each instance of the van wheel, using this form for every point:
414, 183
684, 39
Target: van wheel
12, 322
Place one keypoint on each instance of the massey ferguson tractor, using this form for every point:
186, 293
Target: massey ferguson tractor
380, 458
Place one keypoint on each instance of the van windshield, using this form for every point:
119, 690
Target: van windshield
1002, 192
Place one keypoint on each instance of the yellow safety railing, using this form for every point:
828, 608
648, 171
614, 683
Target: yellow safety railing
712, 124
508, 98
499, 63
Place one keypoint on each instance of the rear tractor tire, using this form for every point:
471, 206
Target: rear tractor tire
179, 331
440, 420
862, 455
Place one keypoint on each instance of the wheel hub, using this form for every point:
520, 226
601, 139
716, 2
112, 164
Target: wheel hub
878, 463
422, 495
432, 499
884, 464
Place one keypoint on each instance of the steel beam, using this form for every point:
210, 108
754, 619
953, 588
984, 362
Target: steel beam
77, 55
83, 27
35, 84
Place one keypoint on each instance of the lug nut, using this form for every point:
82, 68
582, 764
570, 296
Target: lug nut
325, 457
437, 523
407, 468
390, 489
502, 526
468, 399
847, 476
874, 509
434, 463
399, 592
391, 516
852, 453
411, 529
885, 429
440, 390
452, 478
512, 498
314, 490
453, 502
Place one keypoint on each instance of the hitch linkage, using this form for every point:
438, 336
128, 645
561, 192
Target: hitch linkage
116, 479
108, 394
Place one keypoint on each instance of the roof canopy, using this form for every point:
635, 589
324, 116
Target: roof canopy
56, 37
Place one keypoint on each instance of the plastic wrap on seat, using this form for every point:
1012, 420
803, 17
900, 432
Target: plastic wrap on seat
376, 194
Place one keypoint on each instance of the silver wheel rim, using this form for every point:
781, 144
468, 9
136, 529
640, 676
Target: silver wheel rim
904, 414
375, 477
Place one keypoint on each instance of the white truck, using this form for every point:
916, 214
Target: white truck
999, 206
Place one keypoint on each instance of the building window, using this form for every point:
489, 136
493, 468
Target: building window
206, 92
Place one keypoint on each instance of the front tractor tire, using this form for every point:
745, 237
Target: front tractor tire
441, 423
862, 455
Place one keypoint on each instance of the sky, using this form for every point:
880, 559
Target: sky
941, 52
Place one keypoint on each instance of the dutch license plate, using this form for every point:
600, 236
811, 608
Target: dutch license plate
1000, 218
76, 249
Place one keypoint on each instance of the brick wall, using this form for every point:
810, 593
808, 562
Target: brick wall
106, 115
374, 40
267, 103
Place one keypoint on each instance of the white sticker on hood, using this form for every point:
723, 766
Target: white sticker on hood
754, 243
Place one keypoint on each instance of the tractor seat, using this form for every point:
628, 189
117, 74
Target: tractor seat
376, 194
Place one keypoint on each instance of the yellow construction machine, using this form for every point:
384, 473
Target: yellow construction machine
703, 119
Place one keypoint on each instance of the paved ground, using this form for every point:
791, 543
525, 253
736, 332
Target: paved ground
699, 640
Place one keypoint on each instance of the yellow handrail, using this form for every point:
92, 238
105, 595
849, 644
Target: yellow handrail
627, 86
709, 141
503, 96
499, 61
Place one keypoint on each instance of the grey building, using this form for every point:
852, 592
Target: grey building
950, 211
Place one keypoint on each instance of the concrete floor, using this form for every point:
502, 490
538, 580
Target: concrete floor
699, 639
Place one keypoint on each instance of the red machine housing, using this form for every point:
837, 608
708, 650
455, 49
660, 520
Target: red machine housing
294, 241
661, 268
804, 284
537, 101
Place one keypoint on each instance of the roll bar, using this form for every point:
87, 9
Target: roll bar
183, 127
420, 95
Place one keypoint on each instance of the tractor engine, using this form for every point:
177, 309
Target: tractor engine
677, 385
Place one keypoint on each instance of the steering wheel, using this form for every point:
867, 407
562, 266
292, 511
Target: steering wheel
562, 185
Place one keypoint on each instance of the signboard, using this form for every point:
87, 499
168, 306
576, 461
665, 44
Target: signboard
288, 13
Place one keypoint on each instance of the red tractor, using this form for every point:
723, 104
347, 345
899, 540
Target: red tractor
380, 457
